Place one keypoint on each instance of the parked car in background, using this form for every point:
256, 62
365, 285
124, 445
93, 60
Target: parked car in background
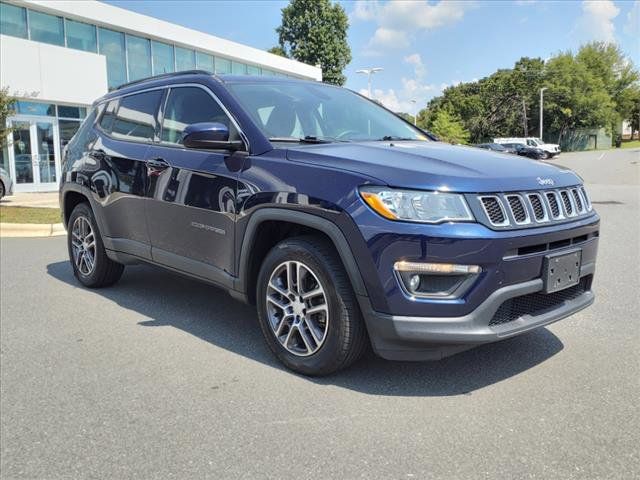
6, 184
342, 223
496, 147
525, 151
550, 149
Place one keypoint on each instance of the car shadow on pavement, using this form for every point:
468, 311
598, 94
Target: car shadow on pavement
212, 315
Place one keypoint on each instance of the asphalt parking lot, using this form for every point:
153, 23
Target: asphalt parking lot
162, 377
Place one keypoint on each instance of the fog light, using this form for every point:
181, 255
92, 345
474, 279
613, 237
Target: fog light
440, 268
436, 280
414, 283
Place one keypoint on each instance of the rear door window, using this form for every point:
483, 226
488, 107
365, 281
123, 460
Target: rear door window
137, 117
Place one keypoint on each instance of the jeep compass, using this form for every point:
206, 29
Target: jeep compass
344, 225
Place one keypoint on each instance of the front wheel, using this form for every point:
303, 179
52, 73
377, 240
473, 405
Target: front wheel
307, 309
87, 255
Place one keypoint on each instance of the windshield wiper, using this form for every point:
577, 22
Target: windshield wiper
307, 139
388, 138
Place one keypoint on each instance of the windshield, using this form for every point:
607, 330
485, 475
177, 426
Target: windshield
292, 111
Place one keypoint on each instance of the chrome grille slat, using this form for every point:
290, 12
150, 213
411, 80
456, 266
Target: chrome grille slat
532, 208
538, 207
567, 203
494, 210
578, 201
518, 209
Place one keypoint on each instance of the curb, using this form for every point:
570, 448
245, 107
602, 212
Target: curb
31, 229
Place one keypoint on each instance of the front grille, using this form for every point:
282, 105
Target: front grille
536, 303
529, 209
566, 201
493, 209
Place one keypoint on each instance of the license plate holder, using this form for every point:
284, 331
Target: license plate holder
561, 270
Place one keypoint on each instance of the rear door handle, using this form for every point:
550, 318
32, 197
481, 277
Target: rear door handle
98, 154
157, 163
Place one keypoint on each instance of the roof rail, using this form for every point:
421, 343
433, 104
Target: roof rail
162, 75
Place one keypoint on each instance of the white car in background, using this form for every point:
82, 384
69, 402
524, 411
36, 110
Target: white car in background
550, 149
6, 184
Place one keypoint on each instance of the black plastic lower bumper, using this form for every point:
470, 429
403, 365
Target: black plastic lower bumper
433, 338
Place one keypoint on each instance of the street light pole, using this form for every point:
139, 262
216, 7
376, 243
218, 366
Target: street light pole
368, 72
415, 114
541, 110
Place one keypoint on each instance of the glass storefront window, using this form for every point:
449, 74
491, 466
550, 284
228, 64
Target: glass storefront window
4, 158
68, 129
205, 61
81, 36
253, 70
46, 28
111, 44
35, 108
66, 111
185, 59
13, 20
223, 65
238, 68
139, 57
163, 60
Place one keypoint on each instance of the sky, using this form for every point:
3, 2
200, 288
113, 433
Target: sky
424, 46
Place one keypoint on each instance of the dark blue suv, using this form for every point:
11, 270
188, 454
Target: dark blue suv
345, 225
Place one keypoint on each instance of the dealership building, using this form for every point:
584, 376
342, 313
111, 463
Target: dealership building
58, 57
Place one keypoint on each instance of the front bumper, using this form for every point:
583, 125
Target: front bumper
403, 327
432, 338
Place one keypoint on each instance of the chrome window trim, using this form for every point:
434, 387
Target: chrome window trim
168, 87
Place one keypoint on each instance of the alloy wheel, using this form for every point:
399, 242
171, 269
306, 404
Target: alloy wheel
297, 308
83, 246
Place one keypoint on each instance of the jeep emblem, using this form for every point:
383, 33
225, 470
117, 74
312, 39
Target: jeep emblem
545, 181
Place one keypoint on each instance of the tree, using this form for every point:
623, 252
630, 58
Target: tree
278, 50
315, 32
6, 110
449, 127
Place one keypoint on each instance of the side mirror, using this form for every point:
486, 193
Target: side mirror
209, 135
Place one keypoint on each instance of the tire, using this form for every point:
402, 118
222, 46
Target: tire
1, 190
338, 325
83, 237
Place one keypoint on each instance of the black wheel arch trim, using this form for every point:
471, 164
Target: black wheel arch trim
305, 219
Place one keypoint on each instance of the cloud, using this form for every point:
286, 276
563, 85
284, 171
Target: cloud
413, 88
399, 20
596, 20
385, 38
632, 27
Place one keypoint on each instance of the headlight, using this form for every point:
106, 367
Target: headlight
417, 206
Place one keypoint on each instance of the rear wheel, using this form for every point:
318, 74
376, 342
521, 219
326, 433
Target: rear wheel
87, 255
307, 309
1, 190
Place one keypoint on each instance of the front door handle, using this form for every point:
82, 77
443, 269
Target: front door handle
156, 165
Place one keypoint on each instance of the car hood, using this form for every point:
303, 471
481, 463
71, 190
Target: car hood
436, 166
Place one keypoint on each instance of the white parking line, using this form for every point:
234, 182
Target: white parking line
600, 158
